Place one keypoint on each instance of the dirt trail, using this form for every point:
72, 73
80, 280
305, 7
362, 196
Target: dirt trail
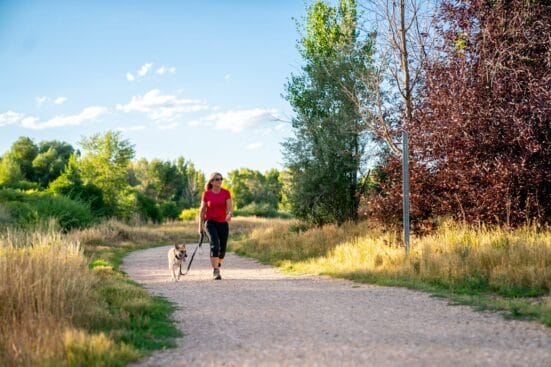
257, 316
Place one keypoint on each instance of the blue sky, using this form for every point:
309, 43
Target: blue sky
198, 79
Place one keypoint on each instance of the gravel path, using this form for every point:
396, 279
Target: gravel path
257, 316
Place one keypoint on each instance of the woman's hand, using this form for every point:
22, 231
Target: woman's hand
228, 217
200, 228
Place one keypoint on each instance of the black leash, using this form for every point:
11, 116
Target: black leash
193, 255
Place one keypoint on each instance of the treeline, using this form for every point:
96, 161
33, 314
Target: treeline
469, 81
52, 179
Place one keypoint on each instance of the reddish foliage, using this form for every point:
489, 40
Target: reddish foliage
481, 138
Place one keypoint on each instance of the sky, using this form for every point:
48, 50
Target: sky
198, 79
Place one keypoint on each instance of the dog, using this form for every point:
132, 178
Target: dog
176, 258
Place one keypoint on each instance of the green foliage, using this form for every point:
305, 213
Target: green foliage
31, 208
50, 161
147, 208
259, 210
173, 185
249, 186
169, 210
27, 165
70, 184
10, 171
324, 157
24, 151
105, 164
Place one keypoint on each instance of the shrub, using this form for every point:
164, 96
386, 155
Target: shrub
30, 208
260, 210
189, 214
169, 210
147, 208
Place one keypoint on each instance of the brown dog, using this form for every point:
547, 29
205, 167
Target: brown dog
176, 258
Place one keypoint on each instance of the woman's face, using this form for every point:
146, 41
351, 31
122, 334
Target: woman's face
217, 182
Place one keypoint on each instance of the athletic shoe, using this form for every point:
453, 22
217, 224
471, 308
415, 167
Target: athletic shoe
216, 274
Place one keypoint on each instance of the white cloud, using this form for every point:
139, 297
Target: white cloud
236, 121
166, 70
254, 146
60, 100
168, 126
130, 128
41, 100
130, 77
161, 108
227, 77
145, 69
87, 114
10, 117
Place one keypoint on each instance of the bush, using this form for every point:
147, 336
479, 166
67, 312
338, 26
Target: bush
169, 210
27, 209
147, 208
69, 213
260, 210
189, 214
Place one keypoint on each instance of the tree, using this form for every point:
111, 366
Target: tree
481, 138
50, 161
174, 185
70, 184
252, 187
10, 170
23, 152
105, 163
325, 155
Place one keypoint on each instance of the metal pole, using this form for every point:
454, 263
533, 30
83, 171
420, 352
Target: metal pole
405, 182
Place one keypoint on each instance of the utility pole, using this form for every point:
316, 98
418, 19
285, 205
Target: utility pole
405, 188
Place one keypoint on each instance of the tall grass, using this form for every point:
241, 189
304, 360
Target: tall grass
64, 302
45, 291
455, 258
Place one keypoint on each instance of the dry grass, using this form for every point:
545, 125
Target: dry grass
45, 290
455, 258
454, 254
56, 288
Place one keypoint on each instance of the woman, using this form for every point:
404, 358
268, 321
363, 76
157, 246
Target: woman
216, 211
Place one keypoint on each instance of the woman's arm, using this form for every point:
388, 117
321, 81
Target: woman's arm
229, 210
202, 212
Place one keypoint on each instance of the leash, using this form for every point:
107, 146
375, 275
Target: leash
193, 255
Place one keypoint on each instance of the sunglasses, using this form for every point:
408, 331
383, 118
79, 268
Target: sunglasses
217, 179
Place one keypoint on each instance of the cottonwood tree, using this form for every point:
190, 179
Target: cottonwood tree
252, 187
51, 160
324, 157
385, 94
173, 185
104, 163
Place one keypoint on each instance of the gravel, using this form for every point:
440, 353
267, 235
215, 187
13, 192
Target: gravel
258, 316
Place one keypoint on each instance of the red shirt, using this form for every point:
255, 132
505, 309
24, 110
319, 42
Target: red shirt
216, 204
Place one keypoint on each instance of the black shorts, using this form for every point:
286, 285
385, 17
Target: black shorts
218, 236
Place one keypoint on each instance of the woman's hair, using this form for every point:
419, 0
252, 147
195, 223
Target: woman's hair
212, 176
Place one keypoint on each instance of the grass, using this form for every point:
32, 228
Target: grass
66, 303
489, 268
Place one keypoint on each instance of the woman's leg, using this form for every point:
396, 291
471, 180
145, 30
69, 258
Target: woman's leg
212, 231
223, 232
